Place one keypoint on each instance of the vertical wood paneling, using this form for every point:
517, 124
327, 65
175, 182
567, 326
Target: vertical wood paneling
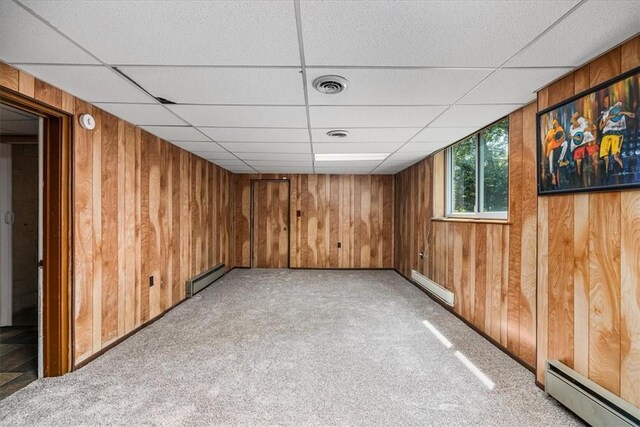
604, 290
593, 248
356, 211
630, 298
83, 246
109, 225
131, 194
490, 266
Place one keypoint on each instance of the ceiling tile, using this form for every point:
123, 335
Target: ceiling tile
204, 85
433, 33
242, 116
356, 147
240, 169
179, 32
90, 83
215, 155
228, 162
276, 157
267, 147
27, 39
176, 133
142, 114
513, 85
473, 115
343, 170
276, 163
422, 147
406, 156
285, 169
256, 134
358, 164
590, 30
366, 135
442, 134
397, 86
200, 148
369, 116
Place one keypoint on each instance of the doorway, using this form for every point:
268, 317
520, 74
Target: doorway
20, 248
34, 241
270, 223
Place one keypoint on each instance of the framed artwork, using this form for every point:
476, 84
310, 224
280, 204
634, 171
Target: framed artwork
591, 142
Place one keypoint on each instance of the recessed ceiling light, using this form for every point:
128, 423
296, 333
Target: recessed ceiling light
338, 133
330, 85
337, 157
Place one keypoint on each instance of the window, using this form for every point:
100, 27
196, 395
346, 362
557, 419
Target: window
478, 168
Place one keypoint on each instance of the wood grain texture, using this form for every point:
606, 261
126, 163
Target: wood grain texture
270, 224
353, 210
589, 242
630, 298
131, 193
489, 267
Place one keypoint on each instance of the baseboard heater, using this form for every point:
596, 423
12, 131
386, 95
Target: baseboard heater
204, 279
433, 288
591, 402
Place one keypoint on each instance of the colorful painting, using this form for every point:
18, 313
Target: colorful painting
592, 141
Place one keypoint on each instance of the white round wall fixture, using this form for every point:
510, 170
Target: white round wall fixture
87, 121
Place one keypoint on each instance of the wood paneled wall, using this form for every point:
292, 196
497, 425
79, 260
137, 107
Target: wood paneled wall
589, 262
141, 207
489, 266
355, 210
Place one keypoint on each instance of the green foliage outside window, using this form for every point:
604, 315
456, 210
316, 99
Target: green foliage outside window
495, 166
484, 190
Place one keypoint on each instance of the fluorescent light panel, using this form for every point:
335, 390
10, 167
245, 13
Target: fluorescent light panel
333, 157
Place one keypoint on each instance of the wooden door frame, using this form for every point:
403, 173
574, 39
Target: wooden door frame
56, 231
253, 181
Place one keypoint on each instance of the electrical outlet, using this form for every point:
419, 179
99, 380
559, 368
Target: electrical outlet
150, 281
339, 244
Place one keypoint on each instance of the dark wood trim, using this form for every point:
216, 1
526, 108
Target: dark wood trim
540, 385
103, 350
470, 325
56, 232
106, 348
345, 268
19, 139
251, 192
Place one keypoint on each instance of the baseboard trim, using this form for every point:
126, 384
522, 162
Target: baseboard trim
470, 325
344, 268
129, 334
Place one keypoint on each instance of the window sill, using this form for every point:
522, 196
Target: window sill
472, 220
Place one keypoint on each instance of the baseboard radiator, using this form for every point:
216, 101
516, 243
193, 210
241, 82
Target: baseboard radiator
591, 402
433, 288
204, 279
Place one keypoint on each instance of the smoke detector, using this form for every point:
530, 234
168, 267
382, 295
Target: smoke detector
338, 133
330, 85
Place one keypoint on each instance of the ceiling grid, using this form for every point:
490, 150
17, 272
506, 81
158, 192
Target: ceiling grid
241, 72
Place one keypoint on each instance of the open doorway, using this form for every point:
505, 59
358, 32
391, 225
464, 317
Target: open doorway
20, 248
35, 236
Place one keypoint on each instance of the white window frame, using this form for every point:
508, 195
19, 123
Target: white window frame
479, 202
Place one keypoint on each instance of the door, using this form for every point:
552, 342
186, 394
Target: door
270, 224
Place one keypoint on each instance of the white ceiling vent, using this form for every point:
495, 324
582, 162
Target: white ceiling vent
330, 85
338, 133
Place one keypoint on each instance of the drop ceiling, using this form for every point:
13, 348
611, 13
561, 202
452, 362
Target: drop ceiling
422, 75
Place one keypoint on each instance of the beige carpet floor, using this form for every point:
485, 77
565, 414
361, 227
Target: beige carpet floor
296, 347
